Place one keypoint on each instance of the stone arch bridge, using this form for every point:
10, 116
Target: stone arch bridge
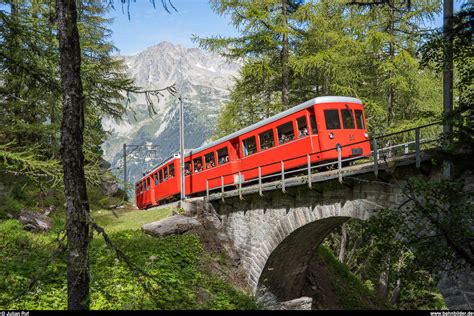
277, 227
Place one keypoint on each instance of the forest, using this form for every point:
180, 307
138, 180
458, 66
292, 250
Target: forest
59, 76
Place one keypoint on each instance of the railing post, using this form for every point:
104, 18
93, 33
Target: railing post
376, 156
283, 177
222, 188
260, 181
207, 189
417, 147
339, 161
240, 186
310, 183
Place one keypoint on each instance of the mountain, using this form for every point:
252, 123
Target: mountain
204, 81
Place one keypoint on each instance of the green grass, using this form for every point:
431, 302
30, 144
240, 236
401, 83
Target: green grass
180, 266
351, 292
128, 219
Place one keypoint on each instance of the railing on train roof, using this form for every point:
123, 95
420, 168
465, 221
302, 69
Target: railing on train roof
374, 154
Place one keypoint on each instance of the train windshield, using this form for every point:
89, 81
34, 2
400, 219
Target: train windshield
347, 119
332, 119
359, 119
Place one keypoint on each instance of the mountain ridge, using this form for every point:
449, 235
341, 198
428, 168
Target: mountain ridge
203, 80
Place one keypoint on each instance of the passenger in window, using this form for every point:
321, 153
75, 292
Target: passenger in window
282, 138
187, 172
226, 159
303, 132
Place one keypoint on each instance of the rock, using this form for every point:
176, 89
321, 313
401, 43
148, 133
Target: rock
34, 221
176, 224
302, 303
109, 188
49, 210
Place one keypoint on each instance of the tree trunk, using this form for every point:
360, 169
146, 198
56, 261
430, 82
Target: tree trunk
343, 249
72, 127
284, 57
396, 292
382, 287
391, 53
447, 79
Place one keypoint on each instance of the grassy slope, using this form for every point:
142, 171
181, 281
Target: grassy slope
179, 266
128, 219
337, 287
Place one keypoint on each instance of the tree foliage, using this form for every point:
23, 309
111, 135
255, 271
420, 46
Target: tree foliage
336, 49
30, 94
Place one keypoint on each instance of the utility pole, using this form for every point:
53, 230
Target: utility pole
447, 78
125, 170
181, 146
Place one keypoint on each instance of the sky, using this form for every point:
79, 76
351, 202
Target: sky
148, 26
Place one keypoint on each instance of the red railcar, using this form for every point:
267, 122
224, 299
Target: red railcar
314, 127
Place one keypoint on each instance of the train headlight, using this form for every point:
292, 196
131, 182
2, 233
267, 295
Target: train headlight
366, 135
331, 135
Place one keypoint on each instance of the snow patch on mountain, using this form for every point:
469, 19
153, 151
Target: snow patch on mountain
204, 81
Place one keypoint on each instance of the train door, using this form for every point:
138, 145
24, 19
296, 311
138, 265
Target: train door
313, 129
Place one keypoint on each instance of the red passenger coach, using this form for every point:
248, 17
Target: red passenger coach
315, 127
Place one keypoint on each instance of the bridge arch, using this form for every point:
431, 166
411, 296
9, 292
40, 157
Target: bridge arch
277, 235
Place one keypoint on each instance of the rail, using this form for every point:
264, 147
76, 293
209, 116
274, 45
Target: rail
381, 146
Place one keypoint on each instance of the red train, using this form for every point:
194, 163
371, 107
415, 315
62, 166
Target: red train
313, 127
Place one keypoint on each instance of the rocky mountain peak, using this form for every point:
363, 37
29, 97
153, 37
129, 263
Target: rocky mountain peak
204, 81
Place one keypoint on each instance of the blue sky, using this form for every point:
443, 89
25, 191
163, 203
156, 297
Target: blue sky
148, 26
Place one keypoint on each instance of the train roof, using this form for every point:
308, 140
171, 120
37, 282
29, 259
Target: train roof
294, 109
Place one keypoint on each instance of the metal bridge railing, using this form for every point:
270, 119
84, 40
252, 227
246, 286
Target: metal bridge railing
383, 146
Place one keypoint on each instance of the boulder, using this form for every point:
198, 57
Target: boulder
34, 221
302, 303
176, 224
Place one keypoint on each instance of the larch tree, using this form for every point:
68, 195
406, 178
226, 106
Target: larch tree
268, 32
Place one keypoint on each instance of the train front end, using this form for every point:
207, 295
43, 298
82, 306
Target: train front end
341, 123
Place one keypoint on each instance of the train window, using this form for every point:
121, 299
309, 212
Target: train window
302, 126
285, 133
249, 146
156, 178
359, 119
165, 173
347, 119
223, 156
172, 171
266, 139
148, 183
161, 175
314, 127
197, 162
210, 160
187, 168
332, 119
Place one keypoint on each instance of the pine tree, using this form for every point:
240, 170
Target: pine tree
267, 36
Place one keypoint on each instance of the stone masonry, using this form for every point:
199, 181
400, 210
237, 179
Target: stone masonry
276, 235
